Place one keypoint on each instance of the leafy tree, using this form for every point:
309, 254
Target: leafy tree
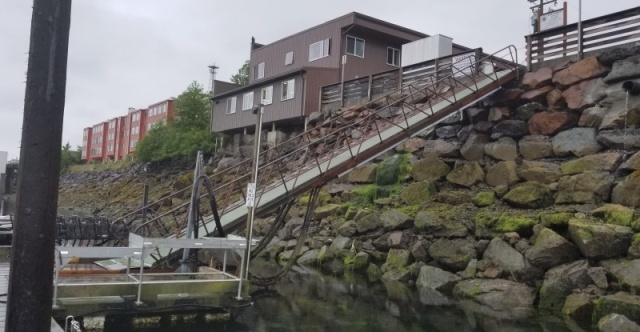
193, 109
68, 157
184, 137
242, 77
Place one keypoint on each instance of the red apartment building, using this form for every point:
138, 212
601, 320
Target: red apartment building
116, 138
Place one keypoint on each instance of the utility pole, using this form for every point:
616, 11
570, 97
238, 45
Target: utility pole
32, 260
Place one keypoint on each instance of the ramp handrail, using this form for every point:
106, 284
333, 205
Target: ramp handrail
317, 147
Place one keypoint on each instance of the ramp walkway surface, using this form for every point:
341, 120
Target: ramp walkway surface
325, 152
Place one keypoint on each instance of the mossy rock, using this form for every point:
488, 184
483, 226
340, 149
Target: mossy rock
356, 262
555, 220
410, 210
620, 303
418, 193
183, 181
529, 195
484, 222
484, 198
326, 211
523, 225
615, 214
373, 273
398, 258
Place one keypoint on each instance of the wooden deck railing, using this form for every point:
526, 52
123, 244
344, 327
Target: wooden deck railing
598, 33
364, 89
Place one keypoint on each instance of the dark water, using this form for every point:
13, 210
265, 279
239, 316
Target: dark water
308, 301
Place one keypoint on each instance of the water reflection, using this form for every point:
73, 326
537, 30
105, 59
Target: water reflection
306, 301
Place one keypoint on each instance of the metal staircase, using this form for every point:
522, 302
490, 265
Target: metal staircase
346, 140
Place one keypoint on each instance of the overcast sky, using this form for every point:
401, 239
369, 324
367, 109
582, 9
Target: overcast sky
132, 53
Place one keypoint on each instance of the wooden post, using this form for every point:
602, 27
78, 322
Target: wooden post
529, 55
32, 256
564, 23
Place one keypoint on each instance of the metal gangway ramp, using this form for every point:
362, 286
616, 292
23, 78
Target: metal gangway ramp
343, 142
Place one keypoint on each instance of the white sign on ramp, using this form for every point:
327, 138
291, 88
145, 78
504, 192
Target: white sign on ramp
552, 20
251, 194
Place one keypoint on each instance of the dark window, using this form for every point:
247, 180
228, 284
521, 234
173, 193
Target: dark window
355, 46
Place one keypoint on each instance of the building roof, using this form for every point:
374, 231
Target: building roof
354, 15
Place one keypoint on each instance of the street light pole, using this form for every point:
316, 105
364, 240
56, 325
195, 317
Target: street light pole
251, 196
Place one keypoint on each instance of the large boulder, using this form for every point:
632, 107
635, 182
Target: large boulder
577, 141
429, 169
510, 128
473, 148
535, 95
435, 278
498, 295
584, 94
633, 163
368, 223
393, 219
620, 138
529, 195
454, 254
398, 258
502, 174
559, 283
609, 56
600, 241
418, 192
625, 272
309, 258
526, 111
621, 303
580, 71
617, 323
411, 145
440, 223
550, 250
441, 148
448, 131
510, 261
626, 191
592, 117
504, 148
551, 123
607, 161
619, 112
615, 214
324, 211
624, 69
535, 147
536, 79
363, 174
539, 171
466, 174
578, 305
585, 188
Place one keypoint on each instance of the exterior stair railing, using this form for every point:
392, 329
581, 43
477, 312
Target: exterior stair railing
349, 138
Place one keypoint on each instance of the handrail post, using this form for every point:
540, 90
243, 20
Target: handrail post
580, 37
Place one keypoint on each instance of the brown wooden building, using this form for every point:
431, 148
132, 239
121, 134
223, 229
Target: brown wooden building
287, 75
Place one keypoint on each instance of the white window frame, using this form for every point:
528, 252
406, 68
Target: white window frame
266, 95
288, 90
288, 58
355, 46
323, 49
260, 71
395, 56
231, 105
247, 101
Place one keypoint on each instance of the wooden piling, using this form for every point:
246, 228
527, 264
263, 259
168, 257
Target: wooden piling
31, 277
